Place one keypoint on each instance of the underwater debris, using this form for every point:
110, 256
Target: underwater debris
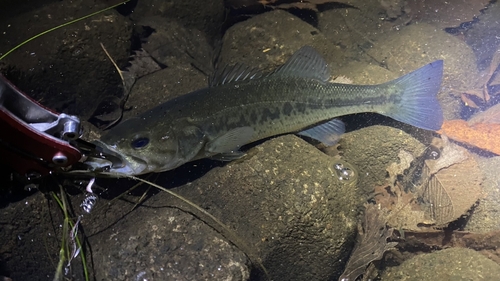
141, 64
395, 169
489, 116
446, 186
451, 184
110, 109
371, 243
486, 86
434, 239
341, 80
403, 210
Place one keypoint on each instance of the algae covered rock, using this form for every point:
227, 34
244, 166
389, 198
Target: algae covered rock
418, 44
266, 41
451, 264
165, 243
373, 149
285, 200
285, 207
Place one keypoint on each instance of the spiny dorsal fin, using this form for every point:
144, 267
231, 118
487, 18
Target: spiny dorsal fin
306, 63
238, 72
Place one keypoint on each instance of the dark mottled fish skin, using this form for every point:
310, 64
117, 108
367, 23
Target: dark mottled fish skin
243, 106
278, 105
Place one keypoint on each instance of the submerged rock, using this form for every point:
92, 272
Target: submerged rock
285, 200
266, 41
450, 264
418, 44
165, 244
373, 149
66, 70
485, 217
284, 203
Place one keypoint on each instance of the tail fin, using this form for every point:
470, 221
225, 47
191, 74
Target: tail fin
419, 106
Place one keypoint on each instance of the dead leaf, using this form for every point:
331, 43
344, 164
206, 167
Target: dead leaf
488, 84
371, 243
142, 64
451, 185
467, 101
402, 209
431, 240
384, 197
495, 81
489, 116
494, 65
486, 93
110, 109
341, 80
395, 169
450, 154
404, 212
107, 113
387, 196
299, 5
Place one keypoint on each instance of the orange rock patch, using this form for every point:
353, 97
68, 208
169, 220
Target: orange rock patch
482, 135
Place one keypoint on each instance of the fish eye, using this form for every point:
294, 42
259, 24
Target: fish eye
139, 142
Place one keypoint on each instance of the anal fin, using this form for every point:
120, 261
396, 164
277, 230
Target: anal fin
327, 133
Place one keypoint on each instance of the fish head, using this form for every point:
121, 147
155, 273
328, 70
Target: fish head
140, 149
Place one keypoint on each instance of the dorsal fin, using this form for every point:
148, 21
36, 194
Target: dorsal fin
238, 72
306, 63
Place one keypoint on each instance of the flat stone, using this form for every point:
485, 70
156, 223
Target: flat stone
458, 264
285, 201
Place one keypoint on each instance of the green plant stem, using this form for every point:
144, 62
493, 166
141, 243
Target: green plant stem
59, 26
224, 230
64, 243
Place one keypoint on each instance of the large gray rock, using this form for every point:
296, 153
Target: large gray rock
266, 41
207, 16
455, 264
373, 149
286, 201
283, 201
356, 28
66, 69
166, 244
28, 237
484, 216
187, 57
483, 35
418, 44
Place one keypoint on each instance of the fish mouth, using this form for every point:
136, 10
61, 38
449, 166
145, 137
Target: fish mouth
111, 161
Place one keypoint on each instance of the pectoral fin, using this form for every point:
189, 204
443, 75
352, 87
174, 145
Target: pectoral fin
328, 133
230, 141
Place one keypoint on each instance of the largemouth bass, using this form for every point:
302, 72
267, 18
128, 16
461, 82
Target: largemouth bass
243, 105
